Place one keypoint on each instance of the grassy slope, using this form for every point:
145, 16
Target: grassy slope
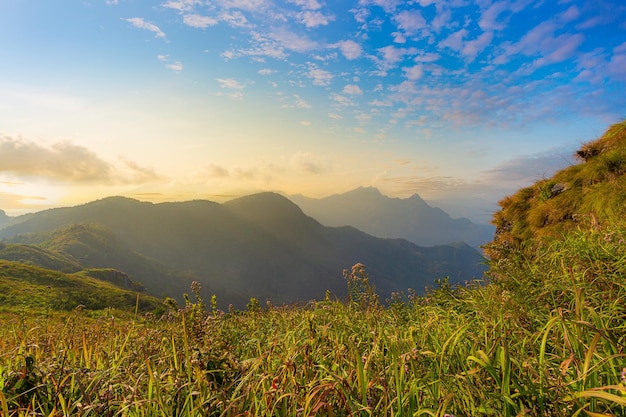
35, 288
549, 349
593, 194
33, 255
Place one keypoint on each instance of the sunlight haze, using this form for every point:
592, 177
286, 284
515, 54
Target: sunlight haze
461, 102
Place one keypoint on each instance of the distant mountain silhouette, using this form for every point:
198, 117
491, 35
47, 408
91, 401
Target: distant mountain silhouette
4, 218
413, 219
259, 246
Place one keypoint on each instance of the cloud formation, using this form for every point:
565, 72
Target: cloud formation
65, 162
140, 23
429, 54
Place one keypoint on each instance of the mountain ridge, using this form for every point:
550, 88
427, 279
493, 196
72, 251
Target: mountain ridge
260, 246
413, 219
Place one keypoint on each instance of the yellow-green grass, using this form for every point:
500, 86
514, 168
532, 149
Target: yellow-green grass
544, 338
30, 287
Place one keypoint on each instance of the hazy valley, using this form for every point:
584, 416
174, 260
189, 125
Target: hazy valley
259, 246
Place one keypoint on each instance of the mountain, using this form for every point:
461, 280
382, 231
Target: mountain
4, 218
260, 246
590, 194
412, 219
94, 246
34, 255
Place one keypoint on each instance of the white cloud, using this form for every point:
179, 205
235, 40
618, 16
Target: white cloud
350, 49
455, 40
230, 83
414, 73
249, 5
235, 19
472, 48
341, 100
380, 103
398, 37
442, 19
320, 77
352, 89
266, 71
616, 65
391, 56
313, 19
198, 21
140, 23
264, 47
388, 5
429, 57
562, 48
293, 41
410, 21
182, 5
176, 66
307, 4
489, 18
301, 103
571, 14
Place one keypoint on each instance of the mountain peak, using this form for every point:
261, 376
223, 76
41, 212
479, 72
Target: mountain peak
369, 191
367, 209
119, 200
264, 200
268, 208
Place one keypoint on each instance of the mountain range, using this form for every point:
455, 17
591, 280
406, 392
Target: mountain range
412, 218
262, 246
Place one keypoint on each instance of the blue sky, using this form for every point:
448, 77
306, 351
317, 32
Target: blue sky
461, 102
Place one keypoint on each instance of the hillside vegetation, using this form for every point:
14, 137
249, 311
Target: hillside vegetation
544, 335
588, 195
34, 289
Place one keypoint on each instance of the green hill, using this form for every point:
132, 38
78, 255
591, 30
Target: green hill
94, 246
44, 258
33, 287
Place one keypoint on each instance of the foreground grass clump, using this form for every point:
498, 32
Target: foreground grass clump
542, 338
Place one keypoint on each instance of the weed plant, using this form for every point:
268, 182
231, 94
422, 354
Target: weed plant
543, 337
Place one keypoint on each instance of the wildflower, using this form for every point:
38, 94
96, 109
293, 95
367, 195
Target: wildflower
195, 286
623, 376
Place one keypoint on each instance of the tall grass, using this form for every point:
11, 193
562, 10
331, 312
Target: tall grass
542, 337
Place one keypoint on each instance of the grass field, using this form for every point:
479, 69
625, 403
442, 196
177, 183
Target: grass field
545, 337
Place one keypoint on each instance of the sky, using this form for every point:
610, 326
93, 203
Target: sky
462, 102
